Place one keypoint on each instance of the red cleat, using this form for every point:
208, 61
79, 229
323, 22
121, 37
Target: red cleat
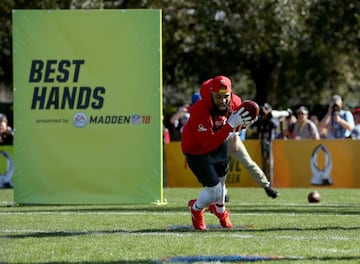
198, 220
223, 217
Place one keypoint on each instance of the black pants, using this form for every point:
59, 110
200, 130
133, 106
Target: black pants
210, 166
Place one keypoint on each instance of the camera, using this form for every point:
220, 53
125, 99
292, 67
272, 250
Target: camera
281, 113
267, 111
336, 109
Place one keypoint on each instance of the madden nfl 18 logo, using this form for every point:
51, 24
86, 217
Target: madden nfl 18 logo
80, 120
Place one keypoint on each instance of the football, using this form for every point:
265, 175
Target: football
252, 107
314, 197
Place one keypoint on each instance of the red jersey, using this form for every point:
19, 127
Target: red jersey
204, 131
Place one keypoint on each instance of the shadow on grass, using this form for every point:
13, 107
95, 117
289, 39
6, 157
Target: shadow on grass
181, 229
259, 209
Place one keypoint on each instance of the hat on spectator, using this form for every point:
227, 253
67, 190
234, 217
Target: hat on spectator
3, 118
266, 108
302, 109
220, 84
195, 97
336, 98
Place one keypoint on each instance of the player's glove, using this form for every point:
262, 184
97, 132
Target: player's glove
239, 118
271, 192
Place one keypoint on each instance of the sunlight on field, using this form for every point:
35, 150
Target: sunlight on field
286, 229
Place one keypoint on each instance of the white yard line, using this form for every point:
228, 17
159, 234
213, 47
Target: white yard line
336, 250
336, 238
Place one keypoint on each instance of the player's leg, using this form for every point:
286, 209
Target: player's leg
218, 208
241, 154
203, 169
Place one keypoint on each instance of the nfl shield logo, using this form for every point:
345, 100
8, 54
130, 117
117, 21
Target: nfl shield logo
135, 119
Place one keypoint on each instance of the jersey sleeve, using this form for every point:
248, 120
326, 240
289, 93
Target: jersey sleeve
206, 136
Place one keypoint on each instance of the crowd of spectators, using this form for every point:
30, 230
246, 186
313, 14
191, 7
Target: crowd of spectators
6, 139
300, 123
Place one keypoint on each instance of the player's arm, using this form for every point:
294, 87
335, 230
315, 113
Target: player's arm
211, 139
179, 114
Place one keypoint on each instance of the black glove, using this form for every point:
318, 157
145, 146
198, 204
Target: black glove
271, 192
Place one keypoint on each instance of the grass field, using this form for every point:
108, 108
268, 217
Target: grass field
328, 232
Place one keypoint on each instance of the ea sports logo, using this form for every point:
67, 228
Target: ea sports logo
80, 120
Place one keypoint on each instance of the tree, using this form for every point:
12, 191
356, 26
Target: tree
279, 51
280, 47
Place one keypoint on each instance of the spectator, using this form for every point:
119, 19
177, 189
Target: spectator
166, 133
338, 122
286, 125
322, 131
304, 128
6, 133
266, 127
238, 151
315, 119
355, 134
195, 97
179, 119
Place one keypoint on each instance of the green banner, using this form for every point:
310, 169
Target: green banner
87, 106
